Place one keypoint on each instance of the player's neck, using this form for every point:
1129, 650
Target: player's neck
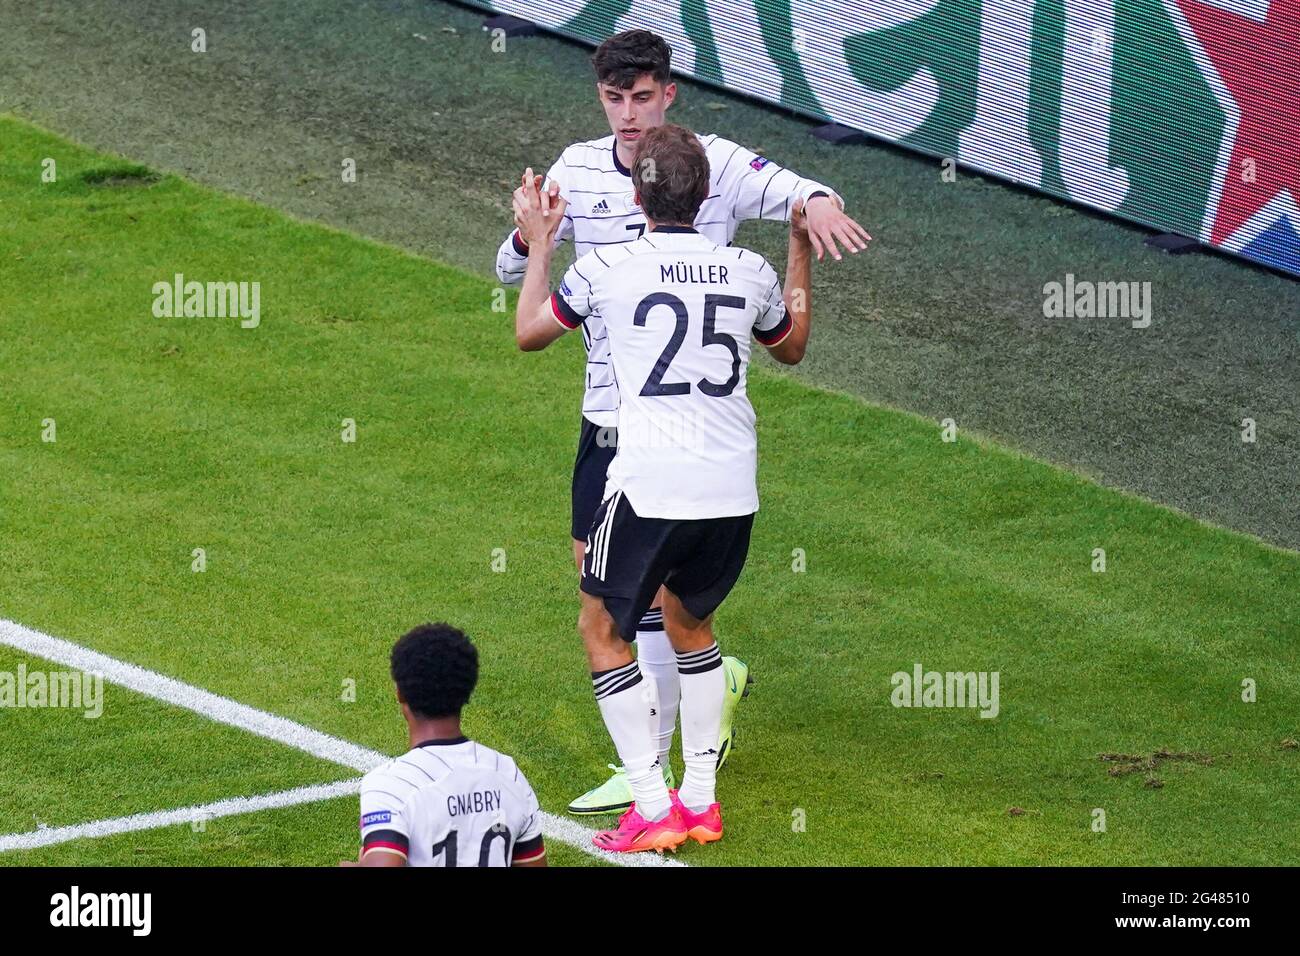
437, 729
626, 156
652, 226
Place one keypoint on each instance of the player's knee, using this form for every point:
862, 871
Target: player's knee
594, 623
686, 632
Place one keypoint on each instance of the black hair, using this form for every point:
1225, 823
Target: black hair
435, 667
630, 54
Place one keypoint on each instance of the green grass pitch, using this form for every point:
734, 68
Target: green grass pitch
176, 434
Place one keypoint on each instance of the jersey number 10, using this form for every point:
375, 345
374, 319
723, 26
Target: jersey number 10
448, 845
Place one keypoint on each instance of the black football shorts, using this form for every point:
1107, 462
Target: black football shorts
629, 557
596, 449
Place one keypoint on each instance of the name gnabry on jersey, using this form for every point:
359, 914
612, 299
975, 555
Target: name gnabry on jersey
478, 801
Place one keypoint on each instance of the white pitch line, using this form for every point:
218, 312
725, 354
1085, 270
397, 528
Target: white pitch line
263, 724
49, 836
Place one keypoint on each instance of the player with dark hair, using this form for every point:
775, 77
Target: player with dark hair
679, 311
449, 801
626, 57
591, 191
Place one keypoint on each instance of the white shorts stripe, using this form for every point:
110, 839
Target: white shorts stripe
599, 537
609, 530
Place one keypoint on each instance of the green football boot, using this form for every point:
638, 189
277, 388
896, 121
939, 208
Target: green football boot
614, 795
739, 682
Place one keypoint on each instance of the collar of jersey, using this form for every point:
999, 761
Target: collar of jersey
688, 229
443, 742
618, 163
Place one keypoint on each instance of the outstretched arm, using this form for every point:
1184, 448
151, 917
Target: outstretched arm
798, 292
539, 215
761, 189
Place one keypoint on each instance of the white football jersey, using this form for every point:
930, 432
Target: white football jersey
451, 803
601, 213
679, 311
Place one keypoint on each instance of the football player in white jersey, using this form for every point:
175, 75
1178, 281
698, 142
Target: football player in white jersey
592, 189
449, 801
679, 310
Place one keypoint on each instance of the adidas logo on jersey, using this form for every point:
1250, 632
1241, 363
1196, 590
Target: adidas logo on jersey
599, 208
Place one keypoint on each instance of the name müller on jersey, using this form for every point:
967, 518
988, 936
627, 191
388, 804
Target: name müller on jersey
601, 213
680, 311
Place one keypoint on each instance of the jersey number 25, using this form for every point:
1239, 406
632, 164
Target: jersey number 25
655, 384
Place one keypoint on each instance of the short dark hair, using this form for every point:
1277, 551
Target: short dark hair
630, 54
671, 174
435, 667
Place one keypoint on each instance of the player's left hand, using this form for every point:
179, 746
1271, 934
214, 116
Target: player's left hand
827, 225
538, 212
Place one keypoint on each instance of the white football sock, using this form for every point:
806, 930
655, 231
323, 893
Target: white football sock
625, 701
659, 664
704, 687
